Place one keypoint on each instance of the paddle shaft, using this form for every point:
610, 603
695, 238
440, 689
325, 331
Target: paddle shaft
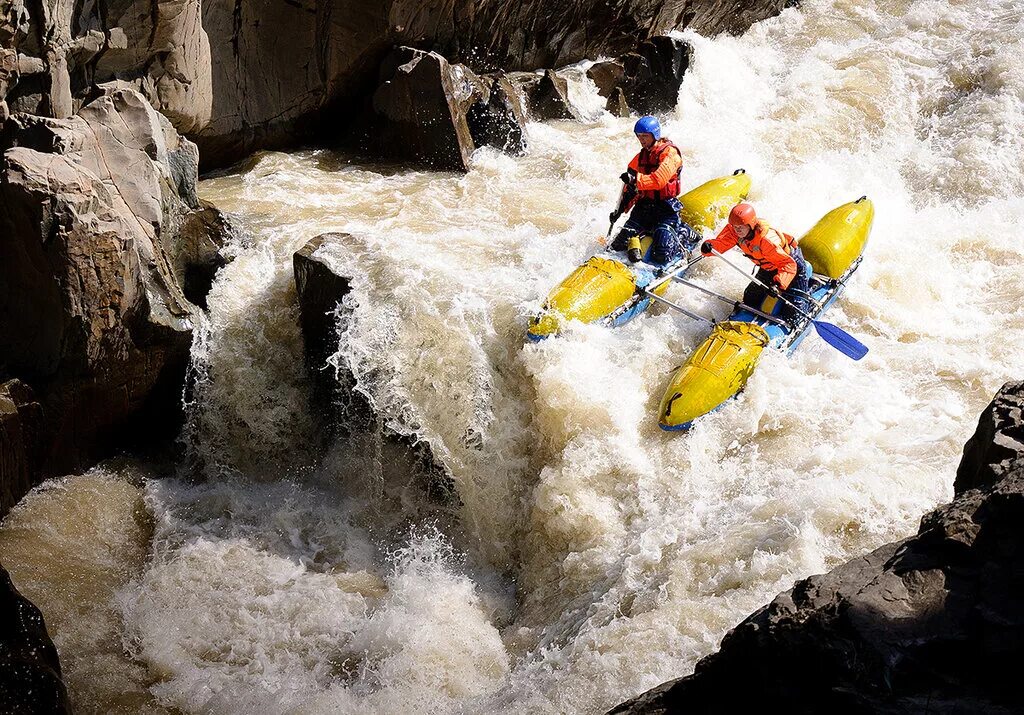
730, 301
771, 289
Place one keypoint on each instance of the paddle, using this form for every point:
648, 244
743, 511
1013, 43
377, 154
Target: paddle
625, 198
831, 334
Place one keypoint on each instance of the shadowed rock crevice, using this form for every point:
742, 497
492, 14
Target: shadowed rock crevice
933, 623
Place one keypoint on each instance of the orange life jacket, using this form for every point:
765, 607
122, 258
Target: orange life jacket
648, 162
769, 248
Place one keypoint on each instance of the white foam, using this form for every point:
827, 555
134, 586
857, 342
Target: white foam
632, 551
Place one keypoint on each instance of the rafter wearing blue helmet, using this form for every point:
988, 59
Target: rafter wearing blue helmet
653, 175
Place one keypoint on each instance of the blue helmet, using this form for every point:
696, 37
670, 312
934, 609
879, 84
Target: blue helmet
648, 125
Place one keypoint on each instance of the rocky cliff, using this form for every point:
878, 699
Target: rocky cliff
235, 77
933, 623
102, 232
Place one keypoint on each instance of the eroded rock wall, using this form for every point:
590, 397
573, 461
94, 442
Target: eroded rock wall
236, 77
93, 315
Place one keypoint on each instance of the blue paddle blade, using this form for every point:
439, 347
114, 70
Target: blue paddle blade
841, 340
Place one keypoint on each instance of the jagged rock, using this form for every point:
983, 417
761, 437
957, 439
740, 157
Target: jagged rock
617, 103
549, 99
934, 623
420, 109
94, 317
390, 461
997, 446
499, 120
607, 76
197, 250
21, 420
30, 675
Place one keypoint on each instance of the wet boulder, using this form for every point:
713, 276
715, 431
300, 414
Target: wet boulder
95, 318
420, 108
549, 98
30, 674
648, 78
933, 623
607, 76
617, 104
353, 430
499, 119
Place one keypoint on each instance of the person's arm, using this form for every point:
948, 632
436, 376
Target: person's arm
725, 240
670, 165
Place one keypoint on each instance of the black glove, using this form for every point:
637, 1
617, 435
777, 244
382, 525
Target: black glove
634, 255
613, 216
629, 178
705, 248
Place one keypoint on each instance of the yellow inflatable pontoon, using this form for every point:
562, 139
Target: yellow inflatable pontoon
720, 367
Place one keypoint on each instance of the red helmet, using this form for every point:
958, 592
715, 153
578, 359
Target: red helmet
743, 215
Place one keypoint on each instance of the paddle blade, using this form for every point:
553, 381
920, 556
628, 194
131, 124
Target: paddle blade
841, 340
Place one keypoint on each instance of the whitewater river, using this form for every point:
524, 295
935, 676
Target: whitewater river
593, 556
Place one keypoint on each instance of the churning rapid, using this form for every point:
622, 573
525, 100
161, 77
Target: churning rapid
593, 556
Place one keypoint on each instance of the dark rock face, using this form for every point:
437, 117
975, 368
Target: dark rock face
934, 623
30, 675
420, 110
654, 74
499, 120
549, 98
236, 77
21, 419
648, 78
94, 317
395, 462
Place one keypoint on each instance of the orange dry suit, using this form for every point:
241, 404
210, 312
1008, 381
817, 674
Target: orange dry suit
779, 260
655, 210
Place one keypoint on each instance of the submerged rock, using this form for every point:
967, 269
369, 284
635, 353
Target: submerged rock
391, 462
94, 317
933, 623
30, 675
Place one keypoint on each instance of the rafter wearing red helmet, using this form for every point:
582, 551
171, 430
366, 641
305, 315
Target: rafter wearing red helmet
779, 261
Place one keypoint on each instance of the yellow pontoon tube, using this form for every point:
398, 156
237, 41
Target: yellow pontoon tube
720, 367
